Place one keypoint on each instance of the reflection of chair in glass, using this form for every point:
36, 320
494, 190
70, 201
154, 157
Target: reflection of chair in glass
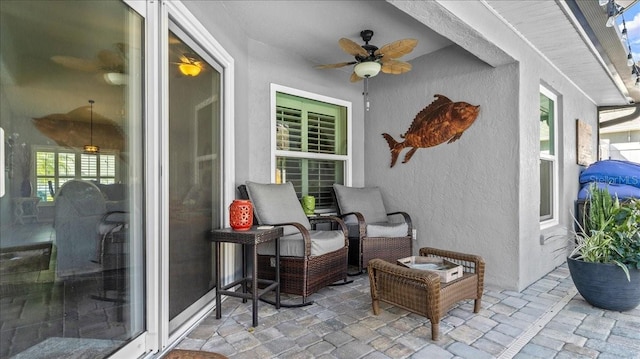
112, 256
421, 292
309, 259
373, 233
79, 207
111, 229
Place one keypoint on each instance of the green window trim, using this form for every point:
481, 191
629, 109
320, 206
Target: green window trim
311, 146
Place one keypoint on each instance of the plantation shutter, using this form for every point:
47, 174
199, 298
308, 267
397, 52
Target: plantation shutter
309, 127
54, 168
89, 166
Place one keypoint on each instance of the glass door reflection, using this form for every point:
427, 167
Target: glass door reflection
194, 175
71, 220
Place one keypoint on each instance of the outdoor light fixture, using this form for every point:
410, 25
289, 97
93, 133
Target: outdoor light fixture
90, 148
623, 34
189, 69
612, 11
367, 69
629, 59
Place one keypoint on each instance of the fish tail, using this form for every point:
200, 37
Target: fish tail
394, 146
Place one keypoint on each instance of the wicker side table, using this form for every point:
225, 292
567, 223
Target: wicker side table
252, 238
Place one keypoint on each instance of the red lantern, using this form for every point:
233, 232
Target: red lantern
241, 215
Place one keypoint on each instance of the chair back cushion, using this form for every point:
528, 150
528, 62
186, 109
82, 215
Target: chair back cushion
277, 203
366, 200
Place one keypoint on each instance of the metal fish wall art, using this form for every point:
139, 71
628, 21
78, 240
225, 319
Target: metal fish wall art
443, 120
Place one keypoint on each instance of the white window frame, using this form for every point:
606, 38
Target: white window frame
554, 219
275, 88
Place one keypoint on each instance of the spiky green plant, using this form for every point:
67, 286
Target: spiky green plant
611, 232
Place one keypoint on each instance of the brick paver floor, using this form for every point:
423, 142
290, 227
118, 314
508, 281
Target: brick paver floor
546, 320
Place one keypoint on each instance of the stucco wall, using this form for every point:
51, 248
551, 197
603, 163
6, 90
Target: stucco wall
533, 257
538, 256
479, 194
461, 196
271, 65
259, 65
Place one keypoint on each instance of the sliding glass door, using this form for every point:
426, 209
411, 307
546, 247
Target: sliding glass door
195, 182
72, 254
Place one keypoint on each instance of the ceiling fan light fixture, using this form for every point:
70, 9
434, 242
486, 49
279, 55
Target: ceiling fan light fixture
115, 78
189, 69
367, 69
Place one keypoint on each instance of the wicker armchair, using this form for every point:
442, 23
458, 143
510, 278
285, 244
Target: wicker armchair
309, 259
373, 233
421, 292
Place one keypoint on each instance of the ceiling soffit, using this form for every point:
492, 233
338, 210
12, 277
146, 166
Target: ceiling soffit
552, 28
607, 41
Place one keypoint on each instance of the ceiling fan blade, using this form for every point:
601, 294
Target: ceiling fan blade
76, 63
111, 60
397, 48
335, 66
352, 48
395, 67
354, 77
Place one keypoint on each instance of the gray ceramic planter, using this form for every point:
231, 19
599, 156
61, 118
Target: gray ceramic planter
605, 285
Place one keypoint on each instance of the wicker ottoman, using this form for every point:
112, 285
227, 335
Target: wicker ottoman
421, 292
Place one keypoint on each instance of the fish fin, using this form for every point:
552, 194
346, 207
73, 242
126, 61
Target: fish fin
425, 114
394, 146
455, 137
441, 99
409, 154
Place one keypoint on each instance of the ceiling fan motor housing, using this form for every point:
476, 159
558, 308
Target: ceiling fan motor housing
366, 35
371, 49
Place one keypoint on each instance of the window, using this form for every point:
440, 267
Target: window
548, 159
55, 167
311, 143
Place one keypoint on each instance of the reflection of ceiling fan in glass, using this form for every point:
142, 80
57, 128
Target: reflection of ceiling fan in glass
111, 63
189, 65
370, 60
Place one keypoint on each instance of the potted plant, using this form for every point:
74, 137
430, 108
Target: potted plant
605, 263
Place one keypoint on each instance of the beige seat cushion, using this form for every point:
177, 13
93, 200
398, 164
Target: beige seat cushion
387, 229
383, 229
293, 245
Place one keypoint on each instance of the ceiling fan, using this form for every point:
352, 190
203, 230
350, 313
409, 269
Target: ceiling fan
109, 62
370, 60
189, 65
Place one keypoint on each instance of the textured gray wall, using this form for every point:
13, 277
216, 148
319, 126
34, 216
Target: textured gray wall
479, 194
462, 196
257, 66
